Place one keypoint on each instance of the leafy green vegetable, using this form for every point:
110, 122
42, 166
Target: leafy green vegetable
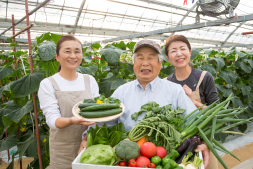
99, 154
106, 135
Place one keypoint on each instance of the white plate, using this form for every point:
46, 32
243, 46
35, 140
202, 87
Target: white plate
76, 110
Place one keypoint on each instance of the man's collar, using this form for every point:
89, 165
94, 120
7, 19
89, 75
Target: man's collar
152, 84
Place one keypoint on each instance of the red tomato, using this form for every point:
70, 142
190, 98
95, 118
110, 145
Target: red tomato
142, 161
151, 165
122, 163
148, 149
132, 163
161, 152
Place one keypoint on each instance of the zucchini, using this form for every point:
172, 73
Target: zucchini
96, 114
83, 105
100, 107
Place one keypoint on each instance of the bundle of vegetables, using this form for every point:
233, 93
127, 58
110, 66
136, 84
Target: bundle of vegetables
214, 119
162, 125
106, 135
100, 107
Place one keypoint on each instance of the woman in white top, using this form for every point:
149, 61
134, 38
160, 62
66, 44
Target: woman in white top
58, 94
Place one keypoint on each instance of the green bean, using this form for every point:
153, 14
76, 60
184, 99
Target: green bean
213, 128
230, 126
223, 148
210, 146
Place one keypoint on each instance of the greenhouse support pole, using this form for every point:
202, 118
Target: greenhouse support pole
33, 94
15, 67
6, 133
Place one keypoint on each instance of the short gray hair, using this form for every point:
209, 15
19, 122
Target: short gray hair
160, 57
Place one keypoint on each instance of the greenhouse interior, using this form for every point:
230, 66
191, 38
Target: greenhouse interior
205, 42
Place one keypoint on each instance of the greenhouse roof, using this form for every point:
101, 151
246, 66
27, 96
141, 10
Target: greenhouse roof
106, 21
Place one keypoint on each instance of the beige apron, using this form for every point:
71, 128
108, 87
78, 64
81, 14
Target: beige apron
213, 162
65, 143
195, 93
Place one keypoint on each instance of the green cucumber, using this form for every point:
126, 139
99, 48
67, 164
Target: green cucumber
100, 107
96, 114
83, 105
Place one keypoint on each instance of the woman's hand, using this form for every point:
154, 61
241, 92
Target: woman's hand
188, 91
75, 120
83, 144
205, 152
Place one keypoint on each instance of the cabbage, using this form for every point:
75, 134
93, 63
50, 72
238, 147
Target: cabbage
99, 154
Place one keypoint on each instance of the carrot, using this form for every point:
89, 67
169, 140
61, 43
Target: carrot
142, 140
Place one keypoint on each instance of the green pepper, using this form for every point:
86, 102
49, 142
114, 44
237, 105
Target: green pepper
159, 167
173, 154
171, 164
156, 160
165, 160
167, 166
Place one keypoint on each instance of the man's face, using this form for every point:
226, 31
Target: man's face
146, 64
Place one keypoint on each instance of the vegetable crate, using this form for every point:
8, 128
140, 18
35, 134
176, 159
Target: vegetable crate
76, 164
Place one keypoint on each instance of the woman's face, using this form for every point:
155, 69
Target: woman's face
70, 55
179, 54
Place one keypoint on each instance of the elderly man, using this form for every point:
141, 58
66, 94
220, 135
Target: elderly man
147, 87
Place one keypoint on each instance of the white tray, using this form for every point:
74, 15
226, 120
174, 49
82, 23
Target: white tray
76, 164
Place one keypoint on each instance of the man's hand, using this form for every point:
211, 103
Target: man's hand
75, 120
206, 153
83, 144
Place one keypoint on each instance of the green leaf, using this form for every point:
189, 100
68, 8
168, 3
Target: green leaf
112, 54
237, 102
43, 37
96, 45
250, 95
228, 76
240, 54
219, 61
208, 68
195, 53
117, 82
5, 71
6, 87
87, 70
245, 90
114, 139
130, 45
6, 121
226, 92
249, 61
87, 59
243, 66
47, 50
242, 127
55, 37
27, 84
120, 45
164, 55
19, 113
13, 44
23, 146
169, 70
9, 142
105, 85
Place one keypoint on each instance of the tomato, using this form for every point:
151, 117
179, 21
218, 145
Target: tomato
161, 152
122, 163
151, 165
142, 161
132, 163
148, 149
